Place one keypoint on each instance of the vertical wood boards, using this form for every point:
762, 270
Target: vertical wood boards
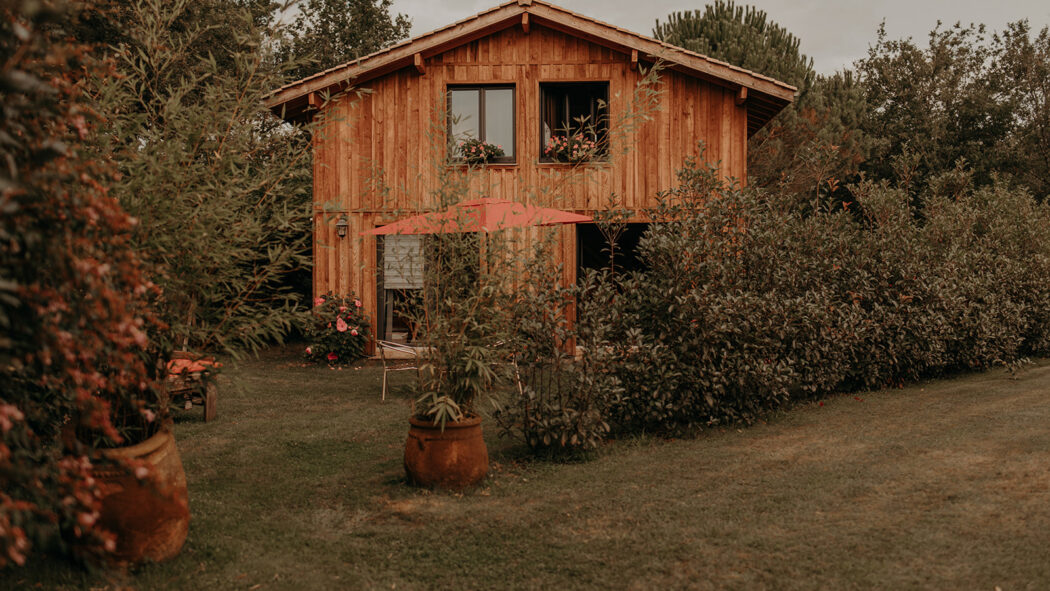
375, 161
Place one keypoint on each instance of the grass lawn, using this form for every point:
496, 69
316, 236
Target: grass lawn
298, 485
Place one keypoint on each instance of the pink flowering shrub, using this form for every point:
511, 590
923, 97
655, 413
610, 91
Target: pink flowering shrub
475, 151
571, 148
337, 331
78, 334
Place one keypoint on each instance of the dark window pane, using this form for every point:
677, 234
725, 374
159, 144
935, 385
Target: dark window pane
574, 108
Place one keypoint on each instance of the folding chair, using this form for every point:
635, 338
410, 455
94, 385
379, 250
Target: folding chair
385, 346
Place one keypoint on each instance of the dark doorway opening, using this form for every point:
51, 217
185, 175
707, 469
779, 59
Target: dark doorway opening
594, 250
399, 286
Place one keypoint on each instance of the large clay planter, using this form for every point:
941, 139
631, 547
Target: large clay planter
455, 458
150, 517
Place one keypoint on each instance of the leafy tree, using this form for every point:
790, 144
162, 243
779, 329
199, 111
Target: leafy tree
327, 33
1022, 70
220, 187
103, 25
938, 102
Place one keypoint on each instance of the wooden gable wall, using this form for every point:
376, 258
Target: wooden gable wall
380, 139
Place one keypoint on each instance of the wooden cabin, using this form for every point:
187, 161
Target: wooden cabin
516, 76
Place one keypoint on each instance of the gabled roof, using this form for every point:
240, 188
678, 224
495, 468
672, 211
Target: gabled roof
765, 96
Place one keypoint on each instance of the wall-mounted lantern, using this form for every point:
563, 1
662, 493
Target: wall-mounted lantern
341, 226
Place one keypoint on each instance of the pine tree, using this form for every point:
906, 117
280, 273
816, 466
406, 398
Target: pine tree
740, 35
815, 143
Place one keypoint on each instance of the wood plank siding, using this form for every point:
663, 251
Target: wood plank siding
374, 161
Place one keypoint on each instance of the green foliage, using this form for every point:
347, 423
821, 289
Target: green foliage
75, 325
220, 188
103, 25
337, 330
464, 321
961, 98
461, 313
941, 103
805, 154
1023, 74
558, 402
747, 304
328, 33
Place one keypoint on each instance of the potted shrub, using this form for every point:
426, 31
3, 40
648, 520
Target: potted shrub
337, 330
463, 322
144, 500
445, 446
80, 379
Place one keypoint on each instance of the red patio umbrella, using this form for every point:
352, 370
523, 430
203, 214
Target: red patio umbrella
480, 215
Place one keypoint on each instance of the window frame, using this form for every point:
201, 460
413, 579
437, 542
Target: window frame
481, 116
603, 154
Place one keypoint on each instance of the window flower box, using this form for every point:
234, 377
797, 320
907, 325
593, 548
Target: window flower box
474, 151
571, 148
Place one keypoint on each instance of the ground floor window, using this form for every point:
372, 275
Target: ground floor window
399, 286
401, 280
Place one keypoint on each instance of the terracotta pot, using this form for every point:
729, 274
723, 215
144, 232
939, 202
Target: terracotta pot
453, 459
151, 517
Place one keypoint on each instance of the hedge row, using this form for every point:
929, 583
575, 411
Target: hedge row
745, 305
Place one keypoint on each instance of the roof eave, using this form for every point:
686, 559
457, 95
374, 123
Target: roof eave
294, 101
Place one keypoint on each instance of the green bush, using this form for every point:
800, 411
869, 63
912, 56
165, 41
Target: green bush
221, 194
746, 305
337, 330
560, 403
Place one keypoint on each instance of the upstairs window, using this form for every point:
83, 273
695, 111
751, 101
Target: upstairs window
574, 120
485, 114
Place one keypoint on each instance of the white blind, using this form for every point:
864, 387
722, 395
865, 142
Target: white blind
403, 262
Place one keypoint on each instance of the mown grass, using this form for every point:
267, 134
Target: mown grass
298, 485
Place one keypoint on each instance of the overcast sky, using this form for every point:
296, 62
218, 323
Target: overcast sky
832, 32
